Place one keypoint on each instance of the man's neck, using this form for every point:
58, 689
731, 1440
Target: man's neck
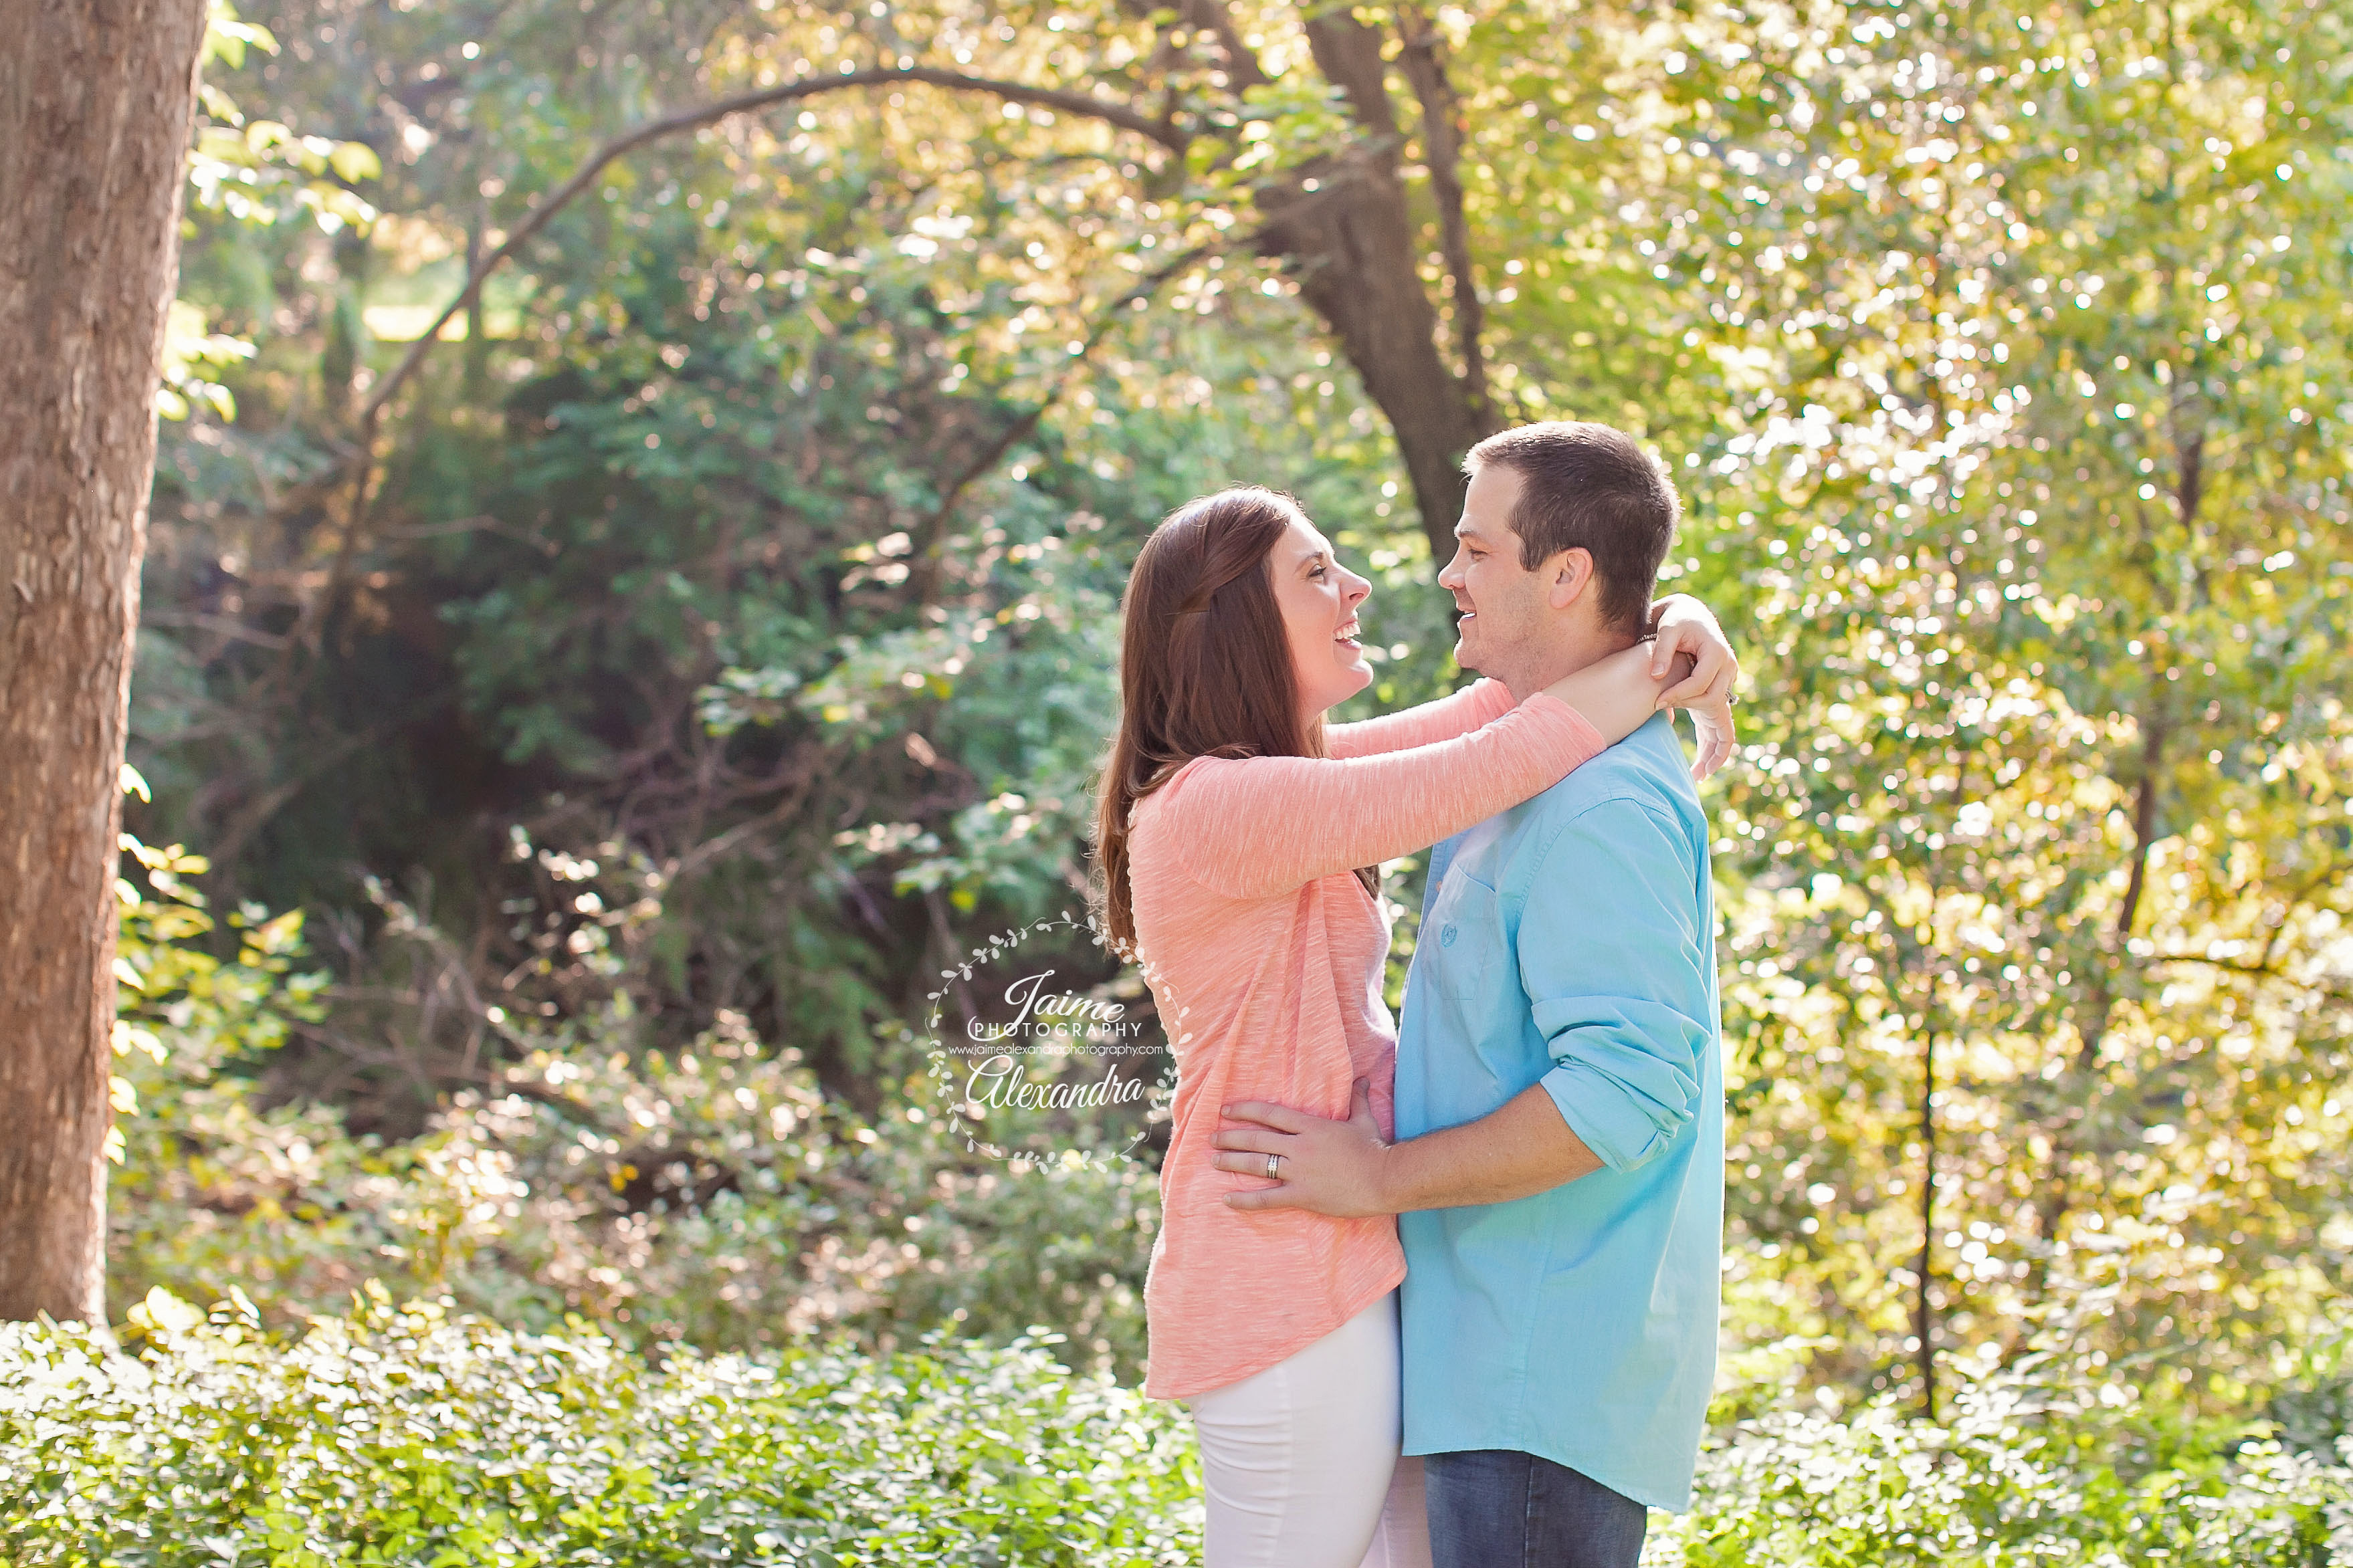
1538, 666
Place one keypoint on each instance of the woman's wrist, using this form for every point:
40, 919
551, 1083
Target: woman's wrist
1616, 694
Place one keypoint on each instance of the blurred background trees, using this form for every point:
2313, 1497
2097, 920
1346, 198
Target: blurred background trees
723, 640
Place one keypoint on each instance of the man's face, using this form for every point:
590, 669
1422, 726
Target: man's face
1504, 605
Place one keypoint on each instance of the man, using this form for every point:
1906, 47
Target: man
1559, 1162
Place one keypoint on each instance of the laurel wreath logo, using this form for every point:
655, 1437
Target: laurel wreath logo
941, 1059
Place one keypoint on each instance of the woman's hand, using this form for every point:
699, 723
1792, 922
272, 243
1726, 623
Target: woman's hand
1685, 626
1712, 727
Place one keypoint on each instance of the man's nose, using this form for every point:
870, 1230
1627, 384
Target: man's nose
1450, 579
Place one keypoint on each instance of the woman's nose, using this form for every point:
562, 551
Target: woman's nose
1359, 589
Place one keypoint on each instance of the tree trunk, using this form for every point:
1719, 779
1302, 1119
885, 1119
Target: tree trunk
96, 99
1344, 225
1924, 1316
1352, 241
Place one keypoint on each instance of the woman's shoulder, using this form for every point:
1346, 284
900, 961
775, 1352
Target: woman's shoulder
1175, 784
1189, 826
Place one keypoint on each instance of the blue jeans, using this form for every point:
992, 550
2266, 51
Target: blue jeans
1493, 1508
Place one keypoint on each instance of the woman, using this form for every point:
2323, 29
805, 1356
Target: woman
1236, 837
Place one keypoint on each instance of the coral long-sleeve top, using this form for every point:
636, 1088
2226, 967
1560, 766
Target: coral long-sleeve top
1264, 953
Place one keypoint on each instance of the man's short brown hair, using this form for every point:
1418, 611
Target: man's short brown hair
1587, 487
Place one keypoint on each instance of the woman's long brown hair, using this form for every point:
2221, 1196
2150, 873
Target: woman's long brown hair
1203, 666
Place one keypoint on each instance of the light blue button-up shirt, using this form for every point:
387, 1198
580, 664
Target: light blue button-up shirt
1570, 941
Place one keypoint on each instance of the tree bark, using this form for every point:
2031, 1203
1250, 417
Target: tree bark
1924, 1316
1344, 225
1351, 240
96, 100
1441, 152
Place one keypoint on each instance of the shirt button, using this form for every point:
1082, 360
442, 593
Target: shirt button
1446, 937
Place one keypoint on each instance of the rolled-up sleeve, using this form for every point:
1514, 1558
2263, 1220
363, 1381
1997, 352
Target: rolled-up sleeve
1613, 959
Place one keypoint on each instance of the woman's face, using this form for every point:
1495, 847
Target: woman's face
1318, 597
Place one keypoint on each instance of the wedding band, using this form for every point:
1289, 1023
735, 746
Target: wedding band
1273, 1167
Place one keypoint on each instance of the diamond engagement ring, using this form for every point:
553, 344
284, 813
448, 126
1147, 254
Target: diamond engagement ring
1273, 1167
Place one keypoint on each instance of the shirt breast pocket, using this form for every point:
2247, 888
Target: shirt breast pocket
1461, 939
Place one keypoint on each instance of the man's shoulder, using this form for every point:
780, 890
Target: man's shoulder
1633, 809
1647, 769
1637, 796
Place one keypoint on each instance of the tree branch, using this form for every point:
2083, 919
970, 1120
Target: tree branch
1241, 68
1348, 53
2144, 828
2154, 733
2228, 965
705, 114
362, 450
930, 540
1442, 147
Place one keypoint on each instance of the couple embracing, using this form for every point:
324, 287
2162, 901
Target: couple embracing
1443, 1293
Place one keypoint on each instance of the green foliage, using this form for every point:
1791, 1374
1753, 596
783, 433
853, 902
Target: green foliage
727, 640
217, 1189
253, 173
2315, 1406
412, 1436
417, 1435
2034, 481
719, 1199
700, 559
2012, 1477
716, 1198
185, 1016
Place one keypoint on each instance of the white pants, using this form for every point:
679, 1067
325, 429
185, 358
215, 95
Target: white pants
1301, 1460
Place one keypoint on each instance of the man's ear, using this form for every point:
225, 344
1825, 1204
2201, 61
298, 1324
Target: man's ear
1567, 577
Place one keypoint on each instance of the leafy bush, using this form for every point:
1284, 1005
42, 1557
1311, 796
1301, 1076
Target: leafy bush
2025, 1471
715, 1196
415, 1437
2312, 1408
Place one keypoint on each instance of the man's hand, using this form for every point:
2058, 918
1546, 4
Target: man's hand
1326, 1167
1685, 626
